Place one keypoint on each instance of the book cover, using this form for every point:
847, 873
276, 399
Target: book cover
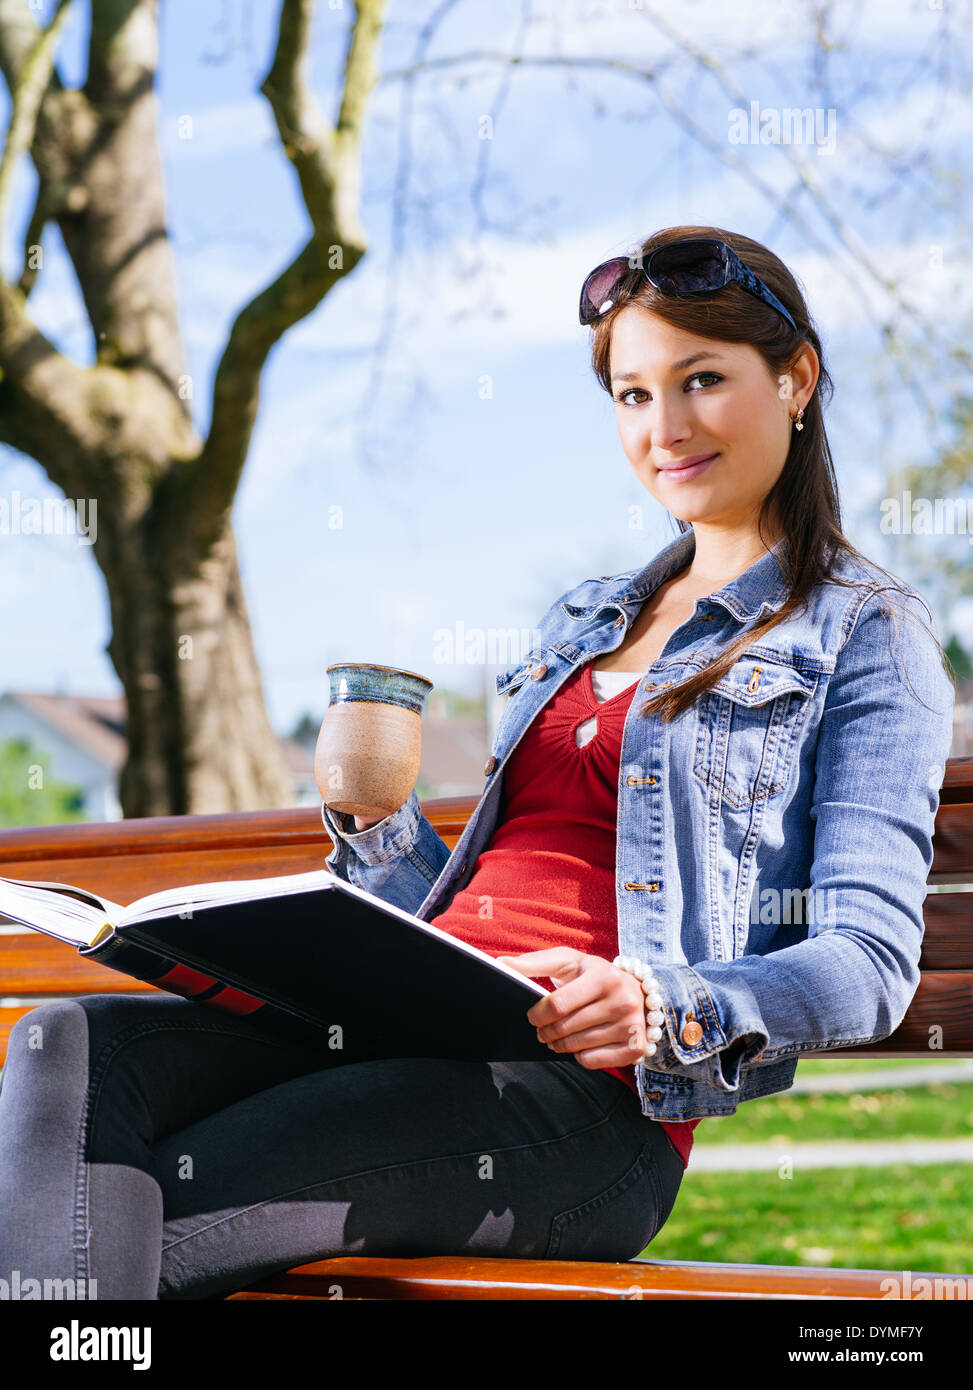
312, 958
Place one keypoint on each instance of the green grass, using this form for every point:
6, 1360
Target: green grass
812, 1066
938, 1110
896, 1217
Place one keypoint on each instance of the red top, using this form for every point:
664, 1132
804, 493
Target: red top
547, 877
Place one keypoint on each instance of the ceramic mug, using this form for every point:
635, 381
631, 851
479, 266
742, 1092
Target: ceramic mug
366, 761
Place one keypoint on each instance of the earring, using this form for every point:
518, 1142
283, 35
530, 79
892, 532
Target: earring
796, 419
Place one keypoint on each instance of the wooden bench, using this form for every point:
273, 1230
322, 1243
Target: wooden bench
125, 859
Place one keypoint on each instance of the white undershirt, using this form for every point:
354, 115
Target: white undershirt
605, 685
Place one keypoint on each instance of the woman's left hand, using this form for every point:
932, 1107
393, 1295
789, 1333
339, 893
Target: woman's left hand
596, 1010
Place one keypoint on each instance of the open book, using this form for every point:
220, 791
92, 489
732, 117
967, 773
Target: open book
310, 957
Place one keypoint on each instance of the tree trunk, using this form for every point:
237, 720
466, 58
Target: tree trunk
199, 737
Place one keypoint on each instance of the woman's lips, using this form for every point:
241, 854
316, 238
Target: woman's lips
682, 475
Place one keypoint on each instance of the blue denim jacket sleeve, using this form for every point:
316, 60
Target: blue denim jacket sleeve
398, 860
879, 764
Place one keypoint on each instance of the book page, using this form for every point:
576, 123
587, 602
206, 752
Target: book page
190, 895
57, 909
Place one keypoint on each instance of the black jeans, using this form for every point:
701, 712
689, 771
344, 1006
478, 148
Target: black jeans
160, 1150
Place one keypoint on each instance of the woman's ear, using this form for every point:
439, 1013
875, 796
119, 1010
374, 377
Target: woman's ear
804, 374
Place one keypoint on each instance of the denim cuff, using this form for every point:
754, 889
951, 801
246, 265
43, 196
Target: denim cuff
733, 1033
389, 839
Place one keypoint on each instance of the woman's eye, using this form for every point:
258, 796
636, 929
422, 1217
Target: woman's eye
637, 390
699, 375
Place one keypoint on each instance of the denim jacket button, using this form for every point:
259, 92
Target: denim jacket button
490, 765
538, 671
691, 1034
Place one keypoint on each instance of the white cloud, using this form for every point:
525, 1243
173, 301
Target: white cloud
210, 132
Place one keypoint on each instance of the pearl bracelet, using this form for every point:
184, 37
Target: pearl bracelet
651, 988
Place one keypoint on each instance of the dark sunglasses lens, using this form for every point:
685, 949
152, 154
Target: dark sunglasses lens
684, 268
601, 284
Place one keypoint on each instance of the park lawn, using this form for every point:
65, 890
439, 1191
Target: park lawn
814, 1066
897, 1217
937, 1110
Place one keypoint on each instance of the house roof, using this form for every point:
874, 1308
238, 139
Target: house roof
453, 752
96, 724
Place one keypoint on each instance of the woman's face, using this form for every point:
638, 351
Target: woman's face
725, 403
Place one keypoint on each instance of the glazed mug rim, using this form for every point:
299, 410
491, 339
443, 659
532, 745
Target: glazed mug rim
375, 666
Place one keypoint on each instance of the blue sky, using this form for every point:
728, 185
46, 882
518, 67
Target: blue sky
478, 511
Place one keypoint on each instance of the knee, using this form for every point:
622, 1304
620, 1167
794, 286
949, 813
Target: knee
50, 1029
91, 1020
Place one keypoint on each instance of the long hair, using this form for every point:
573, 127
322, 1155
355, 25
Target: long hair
805, 497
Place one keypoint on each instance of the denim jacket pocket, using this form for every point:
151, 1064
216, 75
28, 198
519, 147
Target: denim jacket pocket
748, 726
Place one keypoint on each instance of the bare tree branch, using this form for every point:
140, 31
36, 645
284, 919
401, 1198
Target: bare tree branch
328, 165
90, 161
804, 173
42, 393
32, 84
805, 180
62, 131
427, 33
478, 191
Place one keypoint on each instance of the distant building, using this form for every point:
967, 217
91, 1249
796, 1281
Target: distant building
84, 738
454, 750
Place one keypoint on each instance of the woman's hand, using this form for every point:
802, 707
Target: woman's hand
595, 1011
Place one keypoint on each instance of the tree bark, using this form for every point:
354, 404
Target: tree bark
198, 730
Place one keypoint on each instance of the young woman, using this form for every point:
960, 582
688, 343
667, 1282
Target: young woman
688, 749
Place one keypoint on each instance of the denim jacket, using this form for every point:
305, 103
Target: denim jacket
773, 841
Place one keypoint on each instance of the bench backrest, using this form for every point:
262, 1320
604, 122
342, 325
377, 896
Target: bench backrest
123, 860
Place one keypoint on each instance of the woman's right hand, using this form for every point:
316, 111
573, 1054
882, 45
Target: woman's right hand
362, 824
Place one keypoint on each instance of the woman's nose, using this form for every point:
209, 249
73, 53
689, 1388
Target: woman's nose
668, 426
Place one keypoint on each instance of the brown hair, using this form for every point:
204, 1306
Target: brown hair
805, 496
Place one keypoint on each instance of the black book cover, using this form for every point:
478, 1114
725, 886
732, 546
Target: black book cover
334, 969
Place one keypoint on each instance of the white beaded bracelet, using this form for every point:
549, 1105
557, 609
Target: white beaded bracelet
651, 988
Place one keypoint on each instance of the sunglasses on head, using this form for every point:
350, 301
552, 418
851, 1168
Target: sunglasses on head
696, 265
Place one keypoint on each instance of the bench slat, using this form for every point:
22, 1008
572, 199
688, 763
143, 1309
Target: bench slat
31, 963
458, 1277
947, 941
119, 858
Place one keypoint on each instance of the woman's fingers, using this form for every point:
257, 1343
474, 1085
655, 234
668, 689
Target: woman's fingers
603, 988
603, 1046
600, 1011
598, 1014
600, 1057
559, 963
597, 980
